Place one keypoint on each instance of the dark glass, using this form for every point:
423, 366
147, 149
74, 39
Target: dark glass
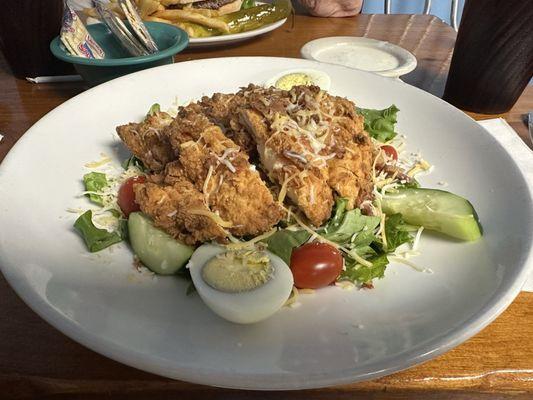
493, 58
26, 29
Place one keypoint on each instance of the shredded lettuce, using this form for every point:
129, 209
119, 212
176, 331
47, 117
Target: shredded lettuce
380, 123
95, 238
284, 241
95, 182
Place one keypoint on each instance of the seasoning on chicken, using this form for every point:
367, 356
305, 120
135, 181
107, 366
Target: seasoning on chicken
281, 154
147, 141
313, 142
231, 186
178, 207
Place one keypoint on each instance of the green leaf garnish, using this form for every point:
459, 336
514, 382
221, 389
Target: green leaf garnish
95, 238
95, 182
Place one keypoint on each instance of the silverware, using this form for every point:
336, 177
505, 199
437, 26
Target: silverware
142, 43
137, 25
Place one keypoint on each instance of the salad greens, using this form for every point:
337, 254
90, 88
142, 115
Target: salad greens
284, 241
345, 225
356, 234
397, 231
155, 108
380, 123
362, 274
133, 162
95, 238
95, 182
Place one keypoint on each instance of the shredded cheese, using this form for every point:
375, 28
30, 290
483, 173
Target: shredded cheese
383, 235
215, 217
292, 298
284, 188
416, 241
239, 245
402, 260
95, 164
206, 183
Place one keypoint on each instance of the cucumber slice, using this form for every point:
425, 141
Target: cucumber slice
158, 251
435, 210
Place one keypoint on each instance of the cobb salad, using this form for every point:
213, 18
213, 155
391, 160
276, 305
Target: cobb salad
255, 195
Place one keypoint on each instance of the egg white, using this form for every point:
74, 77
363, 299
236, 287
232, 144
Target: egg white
319, 78
243, 307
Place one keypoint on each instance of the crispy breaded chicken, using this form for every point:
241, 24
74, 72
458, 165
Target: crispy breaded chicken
350, 170
220, 170
329, 136
310, 144
147, 141
281, 154
177, 206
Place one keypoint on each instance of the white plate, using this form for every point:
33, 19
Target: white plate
335, 336
382, 58
234, 38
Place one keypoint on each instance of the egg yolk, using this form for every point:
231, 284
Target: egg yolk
236, 271
286, 82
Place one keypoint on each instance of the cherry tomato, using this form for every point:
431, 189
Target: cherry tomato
390, 151
126, 196
315, 265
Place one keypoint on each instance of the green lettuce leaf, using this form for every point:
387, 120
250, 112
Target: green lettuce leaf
283, 241
342, 227
155, 108
95, 182
397, 232
95, 238
361, 274
380, 123
135, 162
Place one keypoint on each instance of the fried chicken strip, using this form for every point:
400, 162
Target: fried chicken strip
289, 162
220, 170
147, 141
177, 206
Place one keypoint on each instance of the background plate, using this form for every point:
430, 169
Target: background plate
335, 336
234, 38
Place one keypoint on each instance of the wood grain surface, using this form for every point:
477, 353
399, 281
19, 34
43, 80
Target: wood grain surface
37, 361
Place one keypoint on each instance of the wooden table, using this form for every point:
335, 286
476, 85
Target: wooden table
37, 361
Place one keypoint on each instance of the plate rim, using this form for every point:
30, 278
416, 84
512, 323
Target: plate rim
493, 307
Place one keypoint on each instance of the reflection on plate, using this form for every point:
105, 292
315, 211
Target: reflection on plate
335, 336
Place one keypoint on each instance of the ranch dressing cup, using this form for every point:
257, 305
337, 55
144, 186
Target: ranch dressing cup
361, 53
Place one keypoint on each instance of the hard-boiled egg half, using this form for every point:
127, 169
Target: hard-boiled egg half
242, 286
294, 77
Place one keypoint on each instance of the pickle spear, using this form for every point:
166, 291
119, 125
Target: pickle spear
258, 16
243, 20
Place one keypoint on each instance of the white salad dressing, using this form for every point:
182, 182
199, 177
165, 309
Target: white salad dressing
357, 56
